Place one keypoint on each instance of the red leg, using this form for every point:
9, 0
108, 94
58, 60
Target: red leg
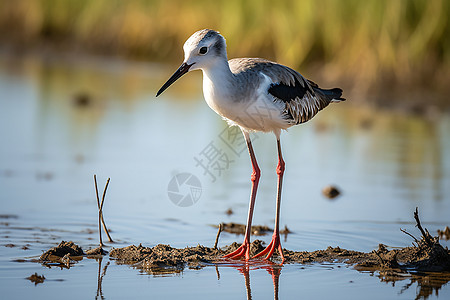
275, 243
244, 249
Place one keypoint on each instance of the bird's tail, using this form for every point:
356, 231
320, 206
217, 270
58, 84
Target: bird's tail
333, 95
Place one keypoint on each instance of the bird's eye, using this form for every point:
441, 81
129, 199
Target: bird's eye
203, 50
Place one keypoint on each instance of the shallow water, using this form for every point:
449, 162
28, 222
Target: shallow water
61, 121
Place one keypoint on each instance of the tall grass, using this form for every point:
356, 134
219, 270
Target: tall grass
400, 40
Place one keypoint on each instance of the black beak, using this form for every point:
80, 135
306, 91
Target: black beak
183, 69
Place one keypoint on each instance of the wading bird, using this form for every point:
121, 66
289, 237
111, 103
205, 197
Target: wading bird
256, 95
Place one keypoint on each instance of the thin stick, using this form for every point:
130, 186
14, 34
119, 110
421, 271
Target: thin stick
217, 272
217, 236
406, 232
378, 255
425, 234
104, 193
99, 212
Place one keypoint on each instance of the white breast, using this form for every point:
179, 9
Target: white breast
258, 112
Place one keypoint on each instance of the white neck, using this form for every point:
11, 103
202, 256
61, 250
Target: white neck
217, 79
218, 86
218, 73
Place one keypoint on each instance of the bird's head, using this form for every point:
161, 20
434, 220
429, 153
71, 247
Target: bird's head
203, 49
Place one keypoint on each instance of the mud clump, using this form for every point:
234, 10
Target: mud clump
96, 252
427, 255
36, 279
130, 254
331, 192
331, 254
444, 234
240, 229
62, 250
165, 257
63, 254
256, 230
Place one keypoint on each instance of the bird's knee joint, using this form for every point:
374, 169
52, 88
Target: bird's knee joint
255, 175
280, 168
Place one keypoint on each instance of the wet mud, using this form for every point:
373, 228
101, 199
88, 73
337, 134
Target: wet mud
427, 255
36, 279
331, 192
257, 230
63, 249
63, 255
444, 234
421, 258
426, 263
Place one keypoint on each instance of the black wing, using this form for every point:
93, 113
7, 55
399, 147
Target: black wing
304, 99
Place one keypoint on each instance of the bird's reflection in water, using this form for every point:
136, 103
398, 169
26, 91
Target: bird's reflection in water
244, 268
275, 271
427, 283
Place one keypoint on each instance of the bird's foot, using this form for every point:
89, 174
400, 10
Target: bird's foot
270, 249
242, 251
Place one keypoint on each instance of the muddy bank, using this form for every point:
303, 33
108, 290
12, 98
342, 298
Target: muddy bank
426, 264
165, 256
420, 258
426, 255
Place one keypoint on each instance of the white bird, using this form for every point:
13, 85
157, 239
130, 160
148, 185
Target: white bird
256, 95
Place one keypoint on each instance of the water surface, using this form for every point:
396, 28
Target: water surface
61, 121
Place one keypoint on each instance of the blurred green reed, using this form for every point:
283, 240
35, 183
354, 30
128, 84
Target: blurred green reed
393, 39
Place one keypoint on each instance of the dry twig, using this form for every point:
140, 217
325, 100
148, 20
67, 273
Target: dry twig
101, 221
217, 236
406, 232
426, 235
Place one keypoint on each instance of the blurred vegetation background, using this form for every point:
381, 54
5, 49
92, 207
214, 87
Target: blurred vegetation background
372, 46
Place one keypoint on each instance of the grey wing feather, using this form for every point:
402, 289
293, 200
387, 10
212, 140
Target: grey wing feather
302, 98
